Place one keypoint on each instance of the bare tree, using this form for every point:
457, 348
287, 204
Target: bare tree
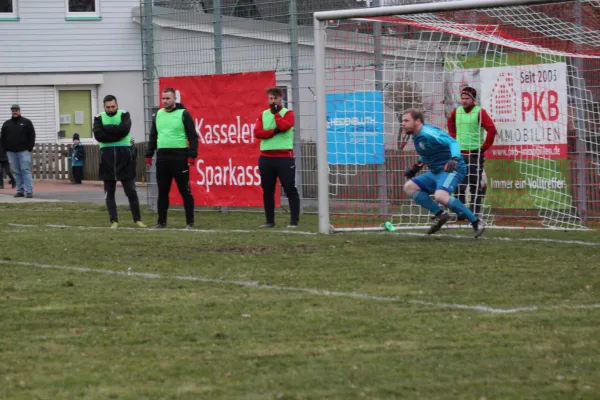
402, 94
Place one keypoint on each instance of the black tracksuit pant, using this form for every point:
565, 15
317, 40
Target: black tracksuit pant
110, 187
473, 182
270, 169
168, 167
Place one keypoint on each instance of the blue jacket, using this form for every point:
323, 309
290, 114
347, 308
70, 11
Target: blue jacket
77, 155
436, 147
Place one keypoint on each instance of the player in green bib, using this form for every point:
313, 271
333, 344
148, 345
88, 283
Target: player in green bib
174, 138
474, 131
112, 129
275, 130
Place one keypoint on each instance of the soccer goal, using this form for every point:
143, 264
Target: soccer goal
536, 68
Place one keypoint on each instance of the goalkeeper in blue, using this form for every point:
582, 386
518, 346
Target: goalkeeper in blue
447, 169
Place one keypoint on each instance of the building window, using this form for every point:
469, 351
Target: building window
83, 9
8, 9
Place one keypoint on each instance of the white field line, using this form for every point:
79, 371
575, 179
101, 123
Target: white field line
315, 292
55, 226
50, 209
509, 239
299, 232
379, 229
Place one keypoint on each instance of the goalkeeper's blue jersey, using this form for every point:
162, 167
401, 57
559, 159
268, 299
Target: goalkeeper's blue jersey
436, 147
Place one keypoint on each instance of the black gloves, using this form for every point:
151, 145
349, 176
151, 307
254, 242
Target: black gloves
274, 108
412, 172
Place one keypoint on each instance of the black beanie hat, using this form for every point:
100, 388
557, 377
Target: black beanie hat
469, 91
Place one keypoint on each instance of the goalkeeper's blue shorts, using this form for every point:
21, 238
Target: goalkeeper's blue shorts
429, 182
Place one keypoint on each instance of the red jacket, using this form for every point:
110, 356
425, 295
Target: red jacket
283, 124
486, 123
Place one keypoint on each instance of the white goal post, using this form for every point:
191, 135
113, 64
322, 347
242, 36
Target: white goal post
534, 69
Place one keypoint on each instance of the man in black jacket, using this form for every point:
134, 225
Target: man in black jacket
17, 138
117, 163
174, 138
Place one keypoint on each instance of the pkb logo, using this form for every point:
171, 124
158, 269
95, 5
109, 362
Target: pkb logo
503, 104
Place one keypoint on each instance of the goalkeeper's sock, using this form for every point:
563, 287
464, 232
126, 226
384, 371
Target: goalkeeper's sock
460, 209
423, 199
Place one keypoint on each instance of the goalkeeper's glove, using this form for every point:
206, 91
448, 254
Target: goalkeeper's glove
451, 165
412, 172
274, 108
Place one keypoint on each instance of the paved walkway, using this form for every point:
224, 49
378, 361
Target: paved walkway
62, 190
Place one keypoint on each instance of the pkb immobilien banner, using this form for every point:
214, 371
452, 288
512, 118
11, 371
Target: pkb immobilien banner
527, 166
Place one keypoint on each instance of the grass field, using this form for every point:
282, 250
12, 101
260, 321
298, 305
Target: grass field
90, 313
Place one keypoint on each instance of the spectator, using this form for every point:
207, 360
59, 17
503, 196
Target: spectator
77, 157
17, 138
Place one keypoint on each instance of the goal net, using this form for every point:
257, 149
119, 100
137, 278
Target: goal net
536, 71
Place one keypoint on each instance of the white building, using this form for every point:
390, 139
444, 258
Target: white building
59, 58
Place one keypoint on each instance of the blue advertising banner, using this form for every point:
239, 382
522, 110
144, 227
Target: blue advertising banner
355, 128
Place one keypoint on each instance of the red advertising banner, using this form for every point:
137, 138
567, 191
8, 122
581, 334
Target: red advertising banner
224, 109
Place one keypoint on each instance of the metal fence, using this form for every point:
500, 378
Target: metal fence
205, 37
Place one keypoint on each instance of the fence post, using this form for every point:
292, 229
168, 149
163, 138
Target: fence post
146, 13
382, 185
56, 157
218, 49
41, 168
296, 98
217, 36
65, 163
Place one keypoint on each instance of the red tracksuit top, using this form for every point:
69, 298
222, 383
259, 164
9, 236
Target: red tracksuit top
283, 124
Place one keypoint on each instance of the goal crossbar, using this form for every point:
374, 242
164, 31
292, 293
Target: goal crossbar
458, 5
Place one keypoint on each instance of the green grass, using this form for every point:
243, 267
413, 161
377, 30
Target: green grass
67, 334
